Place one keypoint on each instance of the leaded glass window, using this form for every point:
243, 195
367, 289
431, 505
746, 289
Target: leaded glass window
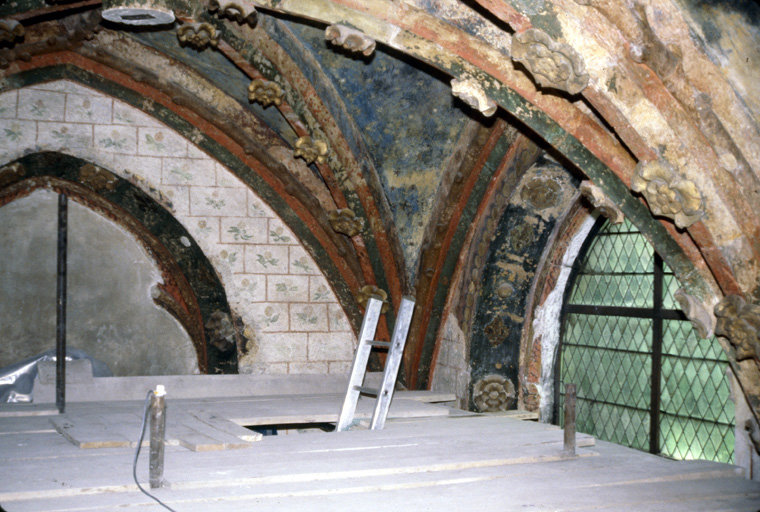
644, 379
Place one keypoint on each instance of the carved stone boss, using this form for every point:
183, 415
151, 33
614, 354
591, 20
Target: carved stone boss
667, 193
233, 11
344, 221
370, 290
265, 92
311, 150
494, 393
198, 35
552, 64
351, 39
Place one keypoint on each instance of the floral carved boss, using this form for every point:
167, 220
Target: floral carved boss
311, 150
552, 64
667, 193
198, 35
233, 11
264, 92
494, 393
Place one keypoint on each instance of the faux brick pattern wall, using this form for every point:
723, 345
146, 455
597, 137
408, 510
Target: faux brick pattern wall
293, 321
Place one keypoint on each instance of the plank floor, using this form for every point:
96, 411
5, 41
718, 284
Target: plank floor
424, 460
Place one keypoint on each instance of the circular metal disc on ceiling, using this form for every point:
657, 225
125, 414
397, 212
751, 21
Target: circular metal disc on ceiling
138, 16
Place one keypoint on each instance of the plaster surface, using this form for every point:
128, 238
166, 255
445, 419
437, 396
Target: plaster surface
110, 313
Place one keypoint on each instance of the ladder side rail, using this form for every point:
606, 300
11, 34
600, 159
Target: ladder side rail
392, 363
359, 366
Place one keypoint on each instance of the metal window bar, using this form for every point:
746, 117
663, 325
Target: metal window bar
657, 314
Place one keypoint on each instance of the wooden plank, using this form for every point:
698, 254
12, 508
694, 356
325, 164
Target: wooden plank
23, 410
227, 426
85, 433
425, 396
194, 434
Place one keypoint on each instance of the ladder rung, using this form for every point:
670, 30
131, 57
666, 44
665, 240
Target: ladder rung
366, 391
377, 343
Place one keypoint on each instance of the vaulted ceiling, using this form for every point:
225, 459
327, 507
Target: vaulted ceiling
408, 144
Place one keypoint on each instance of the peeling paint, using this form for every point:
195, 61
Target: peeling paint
546, 321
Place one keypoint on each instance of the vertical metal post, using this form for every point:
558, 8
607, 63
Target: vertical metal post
569, 448
60, 327
157, 434
654, 420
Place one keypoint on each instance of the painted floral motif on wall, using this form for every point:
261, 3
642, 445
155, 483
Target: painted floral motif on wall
285, 302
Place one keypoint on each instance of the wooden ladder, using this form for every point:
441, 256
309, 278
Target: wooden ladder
395, 347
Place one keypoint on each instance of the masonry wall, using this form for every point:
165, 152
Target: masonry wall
293, 322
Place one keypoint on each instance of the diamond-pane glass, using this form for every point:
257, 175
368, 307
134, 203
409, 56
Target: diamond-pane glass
687, 439
620, 253
610, 357
670, 285
633, 291
607, 358
617, 424
695, 396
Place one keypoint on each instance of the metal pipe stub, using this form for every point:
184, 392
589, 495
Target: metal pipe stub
157, 436
569, 446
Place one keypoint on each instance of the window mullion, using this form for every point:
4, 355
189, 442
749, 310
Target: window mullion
654, 422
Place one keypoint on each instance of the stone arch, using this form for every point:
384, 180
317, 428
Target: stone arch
191, 292
303, 330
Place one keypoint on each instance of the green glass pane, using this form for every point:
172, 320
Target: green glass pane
613, 423
605, 373
623, 227
612, 332
609, 358
623, 253
669, 285
687, 439
680, 339
613, 290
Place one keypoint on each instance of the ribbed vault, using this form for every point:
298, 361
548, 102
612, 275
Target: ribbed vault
637, 99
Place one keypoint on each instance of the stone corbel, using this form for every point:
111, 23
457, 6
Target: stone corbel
265, 92
351, 39
311, 150
472, 93
198, 35
371, 290
344, 221
667, 193
697, 312
739, 322
233, 11
601, 202
11, 31
552, 64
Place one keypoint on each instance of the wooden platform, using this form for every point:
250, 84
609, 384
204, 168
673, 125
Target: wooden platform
424, 460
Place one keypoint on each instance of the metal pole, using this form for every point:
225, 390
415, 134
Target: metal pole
157, 433
60, 327
569, 448
654, 422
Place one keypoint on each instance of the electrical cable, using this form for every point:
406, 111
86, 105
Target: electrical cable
137, 454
